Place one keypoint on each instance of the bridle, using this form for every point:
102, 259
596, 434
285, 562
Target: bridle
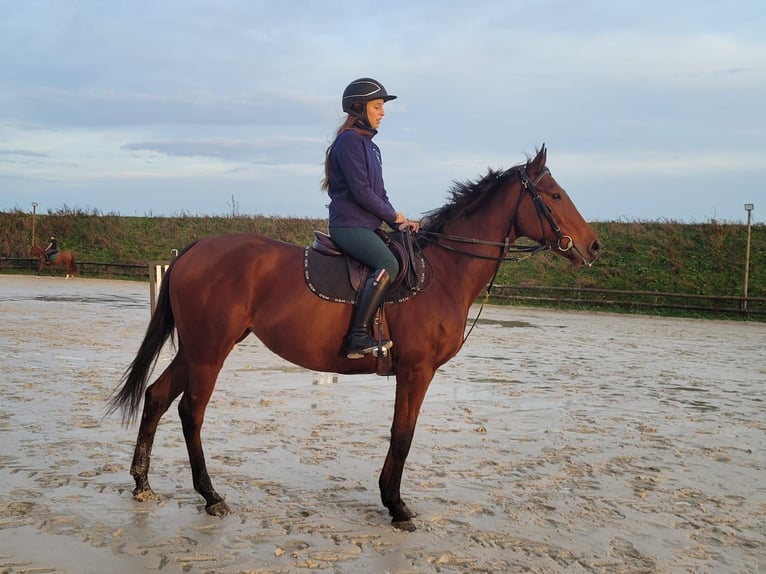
543, 211
563, 242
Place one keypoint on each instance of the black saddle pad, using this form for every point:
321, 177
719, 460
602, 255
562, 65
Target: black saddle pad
327, 276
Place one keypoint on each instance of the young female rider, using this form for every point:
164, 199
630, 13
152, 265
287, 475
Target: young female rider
359, 204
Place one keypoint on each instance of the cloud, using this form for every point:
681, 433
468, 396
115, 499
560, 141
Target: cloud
243, 96
103, 108
266, 151
15, 154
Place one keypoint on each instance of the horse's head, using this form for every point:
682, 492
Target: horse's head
546, 214
36, 252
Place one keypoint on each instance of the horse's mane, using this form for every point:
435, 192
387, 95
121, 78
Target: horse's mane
466, 196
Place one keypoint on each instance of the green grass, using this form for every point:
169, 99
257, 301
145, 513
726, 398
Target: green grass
117, 239
700, 258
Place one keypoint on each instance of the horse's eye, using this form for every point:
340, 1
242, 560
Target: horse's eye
556, 196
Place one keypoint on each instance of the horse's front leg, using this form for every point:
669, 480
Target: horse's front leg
411, 387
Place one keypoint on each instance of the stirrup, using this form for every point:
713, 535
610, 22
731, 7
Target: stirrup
379, 350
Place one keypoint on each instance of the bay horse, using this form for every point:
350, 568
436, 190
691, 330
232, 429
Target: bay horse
62, 258
220, 289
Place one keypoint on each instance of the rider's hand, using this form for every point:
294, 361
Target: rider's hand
414, 226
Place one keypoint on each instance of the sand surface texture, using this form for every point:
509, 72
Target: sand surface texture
556, 442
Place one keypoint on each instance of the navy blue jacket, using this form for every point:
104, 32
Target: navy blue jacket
357, 195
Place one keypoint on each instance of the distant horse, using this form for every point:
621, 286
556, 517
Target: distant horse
221, 289
62, 258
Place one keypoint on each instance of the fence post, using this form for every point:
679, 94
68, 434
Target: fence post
749, 209
156, 273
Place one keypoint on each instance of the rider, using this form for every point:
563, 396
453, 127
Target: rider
359, 205
51, 250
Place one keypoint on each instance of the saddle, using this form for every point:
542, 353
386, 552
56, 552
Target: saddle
334, 276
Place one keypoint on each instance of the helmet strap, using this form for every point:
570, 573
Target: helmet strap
358, 110
363, 125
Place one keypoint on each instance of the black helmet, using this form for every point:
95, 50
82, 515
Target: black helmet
362, 91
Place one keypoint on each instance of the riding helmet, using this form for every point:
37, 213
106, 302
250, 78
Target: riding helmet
362, 91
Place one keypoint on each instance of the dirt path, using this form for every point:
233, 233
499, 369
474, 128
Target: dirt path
556, 442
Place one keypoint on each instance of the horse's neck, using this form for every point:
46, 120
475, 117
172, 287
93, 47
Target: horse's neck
475, 267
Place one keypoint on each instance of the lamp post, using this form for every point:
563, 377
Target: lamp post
34, 209
749, 209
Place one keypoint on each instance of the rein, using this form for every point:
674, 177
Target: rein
506, 246
543, 212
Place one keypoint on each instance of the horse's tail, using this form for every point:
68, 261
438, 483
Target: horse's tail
74, 270
161, 327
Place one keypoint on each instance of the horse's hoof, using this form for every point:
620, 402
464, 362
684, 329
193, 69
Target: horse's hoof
219, 509
144, 495
404, 525
401, 513
408, 512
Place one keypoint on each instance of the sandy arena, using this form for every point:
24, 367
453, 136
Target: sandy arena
555, 442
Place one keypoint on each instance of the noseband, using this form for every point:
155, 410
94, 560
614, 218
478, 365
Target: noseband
563, 242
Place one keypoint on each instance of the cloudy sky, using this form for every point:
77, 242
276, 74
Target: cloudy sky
650, 110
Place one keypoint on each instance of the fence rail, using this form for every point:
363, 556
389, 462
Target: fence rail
618, 299
613, 299
120, 270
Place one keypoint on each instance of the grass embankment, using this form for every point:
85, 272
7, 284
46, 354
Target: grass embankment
702, 259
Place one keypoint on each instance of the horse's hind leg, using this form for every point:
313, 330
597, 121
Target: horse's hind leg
157, 399
191, 409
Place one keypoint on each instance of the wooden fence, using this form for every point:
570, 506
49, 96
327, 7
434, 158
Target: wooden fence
572, 297
643, 301
88, 269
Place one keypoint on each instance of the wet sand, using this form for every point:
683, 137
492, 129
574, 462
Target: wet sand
556, 442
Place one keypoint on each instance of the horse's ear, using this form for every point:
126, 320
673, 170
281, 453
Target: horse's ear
539, 162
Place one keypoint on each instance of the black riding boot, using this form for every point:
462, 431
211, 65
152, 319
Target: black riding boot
360, 342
